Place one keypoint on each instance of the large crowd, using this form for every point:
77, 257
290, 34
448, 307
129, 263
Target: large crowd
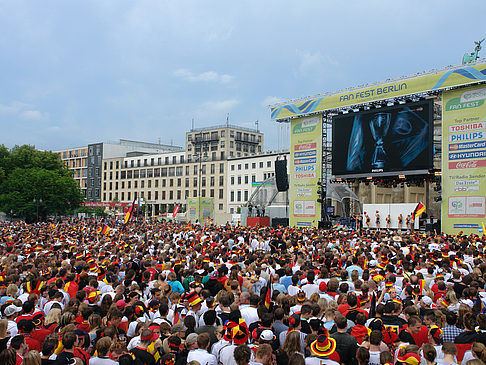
171, 294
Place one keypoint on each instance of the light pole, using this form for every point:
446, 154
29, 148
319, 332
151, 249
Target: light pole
37, 202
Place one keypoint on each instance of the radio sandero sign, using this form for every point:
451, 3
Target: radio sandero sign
464, 164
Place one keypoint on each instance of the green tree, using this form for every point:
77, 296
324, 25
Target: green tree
27, 174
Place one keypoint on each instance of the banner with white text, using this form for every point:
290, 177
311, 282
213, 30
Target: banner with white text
305, 171
463, 160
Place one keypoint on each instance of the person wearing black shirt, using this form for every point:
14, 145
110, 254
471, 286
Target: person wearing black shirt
142, 356
346, 345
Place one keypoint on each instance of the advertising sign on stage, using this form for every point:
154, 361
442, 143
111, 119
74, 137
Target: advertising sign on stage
305, 171
430, 81
463, 160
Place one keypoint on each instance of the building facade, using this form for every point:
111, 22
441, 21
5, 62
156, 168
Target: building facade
164, 180
76, 160
245, 174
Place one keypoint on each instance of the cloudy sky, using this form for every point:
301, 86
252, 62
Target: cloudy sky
78, 72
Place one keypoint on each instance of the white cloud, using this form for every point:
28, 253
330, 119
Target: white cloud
34, 115
208, 76
270, 100
314, 62
220, 106
23, 111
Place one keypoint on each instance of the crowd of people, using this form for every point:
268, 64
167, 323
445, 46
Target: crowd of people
166, 293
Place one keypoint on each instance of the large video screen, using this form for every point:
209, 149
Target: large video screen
383, 141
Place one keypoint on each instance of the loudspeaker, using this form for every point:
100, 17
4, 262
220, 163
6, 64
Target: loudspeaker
284, 222
281, 177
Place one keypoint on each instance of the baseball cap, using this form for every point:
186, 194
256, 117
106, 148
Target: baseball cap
121, 303
322, 286
267, 335
11, 310
192, 338
427, 301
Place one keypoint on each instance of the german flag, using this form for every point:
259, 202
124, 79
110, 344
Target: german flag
34, 286
129, 214
421, 286
105, 230
268, 295
419, 209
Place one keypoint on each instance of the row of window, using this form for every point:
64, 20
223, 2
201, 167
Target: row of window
164, 195
163, 183
238, 196
164, 172
246, 177
72, 154
253, 165
211, 136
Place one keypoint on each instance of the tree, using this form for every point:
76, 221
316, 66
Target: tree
27, 174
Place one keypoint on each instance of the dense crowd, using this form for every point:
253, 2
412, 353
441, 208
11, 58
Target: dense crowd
172, 294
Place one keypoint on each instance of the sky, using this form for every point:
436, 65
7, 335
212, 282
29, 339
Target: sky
79, 72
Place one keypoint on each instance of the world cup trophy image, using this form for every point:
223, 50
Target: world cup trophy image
379, 128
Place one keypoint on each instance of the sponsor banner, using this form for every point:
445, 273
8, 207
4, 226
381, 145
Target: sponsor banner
103, 204
467, 155
466, 146
435, 80
200, 209
306, 166
464, 166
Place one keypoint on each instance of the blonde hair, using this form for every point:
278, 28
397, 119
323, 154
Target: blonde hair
3, 328
53, 316
12, 290
292, 343
32, 358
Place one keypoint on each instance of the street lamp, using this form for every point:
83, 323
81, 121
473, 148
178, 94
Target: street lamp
37, 202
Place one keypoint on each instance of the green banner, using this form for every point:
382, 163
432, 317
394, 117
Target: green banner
201, 209
463, 159
431, 81
305, 171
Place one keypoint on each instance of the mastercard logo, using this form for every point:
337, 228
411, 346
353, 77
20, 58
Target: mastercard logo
453, 147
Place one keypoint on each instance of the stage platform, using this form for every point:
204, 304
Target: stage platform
261, 221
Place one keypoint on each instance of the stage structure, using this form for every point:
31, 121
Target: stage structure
416, 133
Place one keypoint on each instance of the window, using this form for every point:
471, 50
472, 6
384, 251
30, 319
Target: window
135, 184
222, 133
211, 183
232, 196
167, 160
239, 196
253, 165
129, 174
246, 166
179, 182
163, 195
203, 181
122, 196
129, 185
195, 170
239, 166
232, 167
178, 195
187, 170
203, 169
163, 183
156, 172
194, 182
239, 180
156, 184
211, 193
159, 161
156, 196
203, 193
194, 193
143, 173
135, 174
149, 183
269, 163
164, 172
232, 179
261, 164
246, 179
212, 169
171, 182
246, 195
179, 171
150, 173
174, 159
221, 193
186, 184
221, 168
253, 178
221, 180
171, 171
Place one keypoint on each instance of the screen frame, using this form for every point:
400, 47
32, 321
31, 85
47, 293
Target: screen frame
429, 151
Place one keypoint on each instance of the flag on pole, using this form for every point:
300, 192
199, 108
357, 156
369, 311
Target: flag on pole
176, 210
481, 228
268, 295
419, 209
129, 214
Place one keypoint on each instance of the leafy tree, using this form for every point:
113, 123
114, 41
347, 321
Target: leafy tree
27, 174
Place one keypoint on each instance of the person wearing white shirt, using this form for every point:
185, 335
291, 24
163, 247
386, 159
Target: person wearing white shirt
201, 354
248, 308
310, 288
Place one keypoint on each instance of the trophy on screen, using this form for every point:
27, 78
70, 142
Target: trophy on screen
379, 128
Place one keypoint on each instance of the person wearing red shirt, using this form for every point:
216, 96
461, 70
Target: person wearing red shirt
20, 346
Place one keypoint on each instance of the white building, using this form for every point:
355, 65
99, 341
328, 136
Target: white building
245, 174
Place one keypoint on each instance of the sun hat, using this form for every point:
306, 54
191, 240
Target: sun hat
324, 345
